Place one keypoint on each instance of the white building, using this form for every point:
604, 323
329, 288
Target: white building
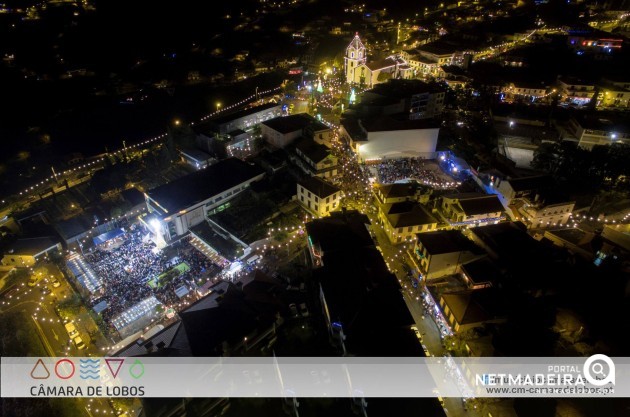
534, 201
281, 131
574, 90
598, 129
318, 196
246, 119
315, 159
403, 220
385, 137
187, 201
472, 209
443, 253
27, 252
196, 159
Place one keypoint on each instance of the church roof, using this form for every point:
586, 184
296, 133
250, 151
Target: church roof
356, 43
381, 64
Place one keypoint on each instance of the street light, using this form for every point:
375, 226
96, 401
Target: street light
218, 106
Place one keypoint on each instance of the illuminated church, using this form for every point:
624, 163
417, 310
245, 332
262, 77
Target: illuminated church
361, 71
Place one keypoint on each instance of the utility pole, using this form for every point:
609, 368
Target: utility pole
54, 173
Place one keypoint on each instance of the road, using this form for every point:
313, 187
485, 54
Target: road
40, 307
398, 262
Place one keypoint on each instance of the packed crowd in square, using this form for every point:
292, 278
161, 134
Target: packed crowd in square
125, 271
393, 170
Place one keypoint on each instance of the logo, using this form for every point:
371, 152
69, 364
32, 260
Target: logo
64, 371
117, 365
89, 368
40, 371
137, 369
599, 370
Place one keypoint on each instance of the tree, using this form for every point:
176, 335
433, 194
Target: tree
545, 157
164, 158
289, 87
182, 136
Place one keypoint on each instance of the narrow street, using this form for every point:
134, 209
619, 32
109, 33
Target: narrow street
399, 263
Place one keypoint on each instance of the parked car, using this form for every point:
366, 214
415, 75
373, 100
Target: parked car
34, 280
79, 343
71, 329
55, 282
45, 290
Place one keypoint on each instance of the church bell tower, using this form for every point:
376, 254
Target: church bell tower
355, 56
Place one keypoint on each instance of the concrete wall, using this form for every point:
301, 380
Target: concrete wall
399, 143
277, 139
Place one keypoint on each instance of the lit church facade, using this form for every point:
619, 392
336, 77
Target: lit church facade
360, 71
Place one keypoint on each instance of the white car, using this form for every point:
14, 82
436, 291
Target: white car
79, 343
71, 329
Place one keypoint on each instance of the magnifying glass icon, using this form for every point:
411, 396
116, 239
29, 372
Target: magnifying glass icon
598, 369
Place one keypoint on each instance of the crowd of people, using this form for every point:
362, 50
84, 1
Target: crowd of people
125, 270
393, 170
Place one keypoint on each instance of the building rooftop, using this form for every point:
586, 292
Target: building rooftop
380, 64
225, 118
163, 339
475, 306
289, 124
195, 154
352, 125
481, 205
319, 187
194, 188
361, 294
312, 150
398, 190
32, 246
356, 43
477, 203
408, 213
438, 48
388, 123
605, 121
400, 89
340, 230
482, 270
446, 241
424, 59
224, 316
530, 183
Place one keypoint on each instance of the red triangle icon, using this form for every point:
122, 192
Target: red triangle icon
40, 371
118, 364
